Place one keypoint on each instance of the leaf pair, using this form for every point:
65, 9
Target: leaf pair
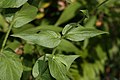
52, 39
79, 33
58, 66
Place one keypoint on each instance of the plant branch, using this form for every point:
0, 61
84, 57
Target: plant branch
95, 9
6, 37
44, 57
53, 52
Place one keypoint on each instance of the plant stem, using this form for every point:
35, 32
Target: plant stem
6, 37
44, 57
53, 52
95, 9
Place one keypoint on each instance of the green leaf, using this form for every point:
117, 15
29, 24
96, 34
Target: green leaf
100, 65
57, 69
67, 60
67, 28
85, 44
40, 70
45, 76
68, 13
11, 3
23, 28
67, 46
25, 15
100, 53
47, 38
61, 64
85, 15
28, 49
13, 45
45, 27
50, 27
3, 24
85, 12
10, 66
91, 22
88, 70
81, 33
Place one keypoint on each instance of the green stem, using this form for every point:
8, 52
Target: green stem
53, 52
95, 9
6, 37
44, 57
101, 3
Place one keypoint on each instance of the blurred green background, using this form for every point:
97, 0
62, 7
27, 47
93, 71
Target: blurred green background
100, 56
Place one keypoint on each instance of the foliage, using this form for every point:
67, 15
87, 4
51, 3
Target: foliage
52, 39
